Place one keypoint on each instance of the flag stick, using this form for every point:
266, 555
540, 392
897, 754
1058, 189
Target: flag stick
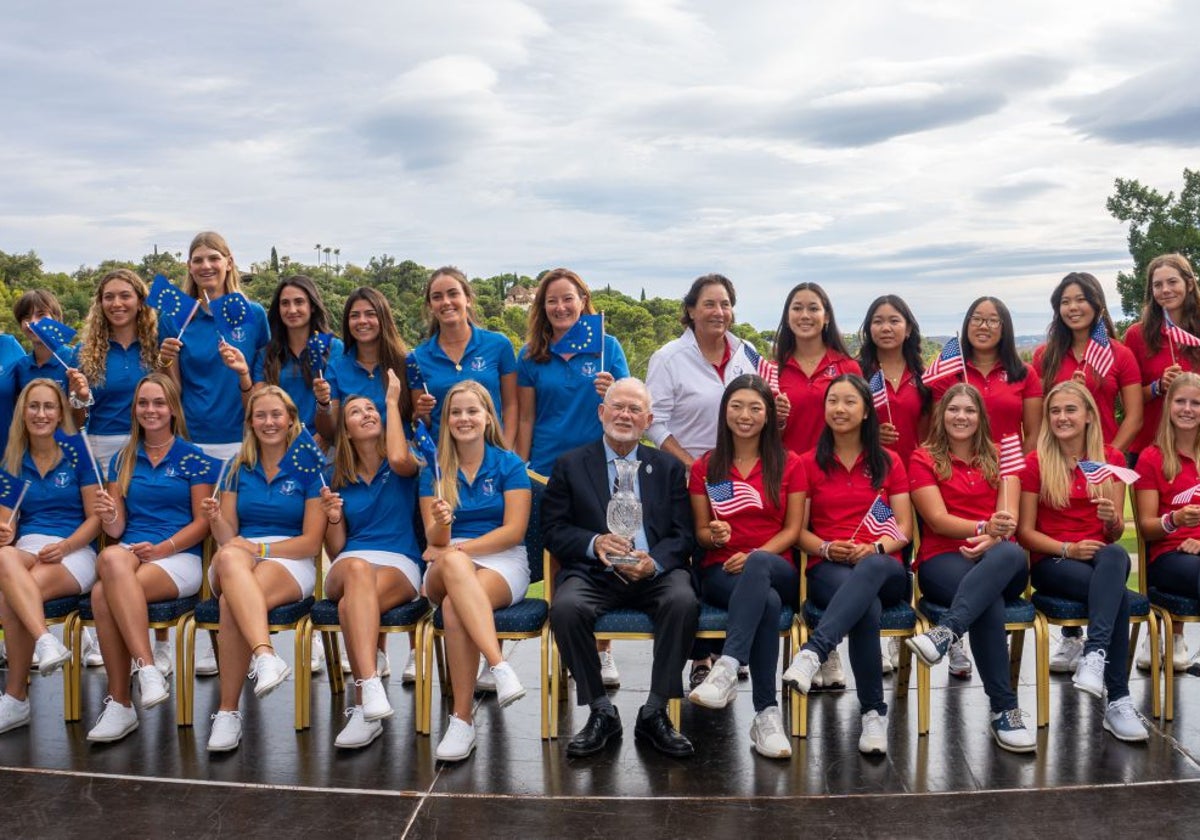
12, 516
96, 467
191, 315
601, 341
878, 496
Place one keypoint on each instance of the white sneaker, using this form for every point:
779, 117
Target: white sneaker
164, 659
153, 685
383, 665
959, 662
318, 653
508, 685
609, 674
375, 705
890, 656
345, 662
13, 712
114, 723
799, 675
458, 742
1010, 732
358, 731
485, 682
1182, 656
1123, 721
408, 676
1089, 675
206, 665
873, 740
50, 653
1065, 658
3, 653
226, 732
719, 688
92, 657
268, 671
768, 736
830, 675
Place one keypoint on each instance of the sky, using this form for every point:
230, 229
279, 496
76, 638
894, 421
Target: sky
936, 149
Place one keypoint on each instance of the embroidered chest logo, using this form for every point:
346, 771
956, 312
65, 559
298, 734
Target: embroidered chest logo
238, 334
170, 471
488, 487
478, 364
289, 487
62, 478
588, 368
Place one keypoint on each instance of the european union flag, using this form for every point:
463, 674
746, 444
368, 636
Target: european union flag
230, 312
72, 446
416, 379
196, 466
10, 489
317, 352
586, 336
426, 448
168, 300
304, 459
54, 334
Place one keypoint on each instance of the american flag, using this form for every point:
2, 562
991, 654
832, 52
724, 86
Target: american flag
880, 521
879, 391
765, 368
1095, 472
948, 363
1012, 458
1177, 333
1099, 353
729, 497
1187, 496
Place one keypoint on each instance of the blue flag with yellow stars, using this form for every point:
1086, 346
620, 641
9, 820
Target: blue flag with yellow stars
586, 336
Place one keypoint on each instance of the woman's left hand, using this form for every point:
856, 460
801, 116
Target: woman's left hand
245, 545
434, 553
1190, 546
888, 434
233, 359
603, 382
735, 563
975, 546
145, 551
783, 408
393, 387
1106, 510
443, 514
54, 552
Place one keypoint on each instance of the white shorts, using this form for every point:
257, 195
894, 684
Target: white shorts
81, 562
223, 451
390, 559
304, 572
104, 447
511, 564
183, 569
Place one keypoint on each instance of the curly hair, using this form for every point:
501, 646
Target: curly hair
96, 333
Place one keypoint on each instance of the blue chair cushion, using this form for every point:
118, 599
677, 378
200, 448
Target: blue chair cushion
209, 612
1064, 609
1173, 603
899, 616
158, 612
528, 616
1016, 611
405, 615
60, 607
624, 621
714, 619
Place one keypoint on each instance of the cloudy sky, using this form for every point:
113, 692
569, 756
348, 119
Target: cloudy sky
940, 149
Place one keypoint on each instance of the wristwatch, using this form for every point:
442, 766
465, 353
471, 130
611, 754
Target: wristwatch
879, 548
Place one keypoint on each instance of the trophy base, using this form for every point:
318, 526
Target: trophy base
622, 559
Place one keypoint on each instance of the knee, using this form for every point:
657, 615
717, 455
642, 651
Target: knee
877, 565
757, 565
456, 563
357, 571
112, 561
1114, 557
10, 561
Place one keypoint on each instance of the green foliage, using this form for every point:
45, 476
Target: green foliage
1158, 224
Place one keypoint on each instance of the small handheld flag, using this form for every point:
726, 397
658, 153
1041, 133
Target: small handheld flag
948, 363
1099, 352
585, 336
55, 335
1095, 472
879, 392
880, 522
765, 368
10, 489
198, 467
172, 305
303, 459
1178, 334
1012, 457
427, 452
416, 380
316, 352
729, 497
230, 312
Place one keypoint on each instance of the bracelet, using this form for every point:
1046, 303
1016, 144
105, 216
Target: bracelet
325, 407
81, 404
262, 551
246, 390
981, 527
112, 521
1066, 547
824, 549
171, 540
337, 521
1168, 523
1155, 389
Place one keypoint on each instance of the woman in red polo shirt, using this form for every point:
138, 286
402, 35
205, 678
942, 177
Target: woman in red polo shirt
1071, 529
748, 504
966, 560
891, 345
852, 572
1168, 511
1171, 291
810, 353
1011, 391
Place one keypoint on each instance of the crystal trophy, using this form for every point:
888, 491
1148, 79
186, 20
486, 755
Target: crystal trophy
624, 510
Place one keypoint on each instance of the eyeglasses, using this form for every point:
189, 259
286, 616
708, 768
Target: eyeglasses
633, 409
990, 323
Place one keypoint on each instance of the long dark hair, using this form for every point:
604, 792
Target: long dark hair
831, 336
277, 348
392, 351
868, 359
1006, 350
770, 446
1152, 313
877, 460
1058, 335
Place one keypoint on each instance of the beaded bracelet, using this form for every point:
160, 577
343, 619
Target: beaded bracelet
1168, 523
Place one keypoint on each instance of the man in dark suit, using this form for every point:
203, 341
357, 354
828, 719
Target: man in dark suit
574, 509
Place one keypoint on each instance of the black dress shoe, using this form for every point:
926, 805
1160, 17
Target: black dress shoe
655, 727
596, 733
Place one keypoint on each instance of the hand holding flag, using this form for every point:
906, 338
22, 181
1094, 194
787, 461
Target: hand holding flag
948, 363
316, 353
765, 368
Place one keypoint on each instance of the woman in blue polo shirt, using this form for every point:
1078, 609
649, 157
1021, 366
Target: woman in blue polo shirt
212, 368
372, 346
558, 393
296, 313
48, 554
475, 502
153, 506
458, 349
11, 354
269, 526
40, 363
377, 563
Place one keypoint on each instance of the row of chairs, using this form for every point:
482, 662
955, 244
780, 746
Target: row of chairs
529, 620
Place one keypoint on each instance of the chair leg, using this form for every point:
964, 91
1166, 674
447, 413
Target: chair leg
547, 702
425, 707
1016, 650
185, 661
1041, 647
72, 683
303, 672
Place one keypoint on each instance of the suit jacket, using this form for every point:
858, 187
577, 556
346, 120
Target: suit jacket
575, 504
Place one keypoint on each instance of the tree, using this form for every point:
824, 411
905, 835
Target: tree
1158, 224
274, 260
